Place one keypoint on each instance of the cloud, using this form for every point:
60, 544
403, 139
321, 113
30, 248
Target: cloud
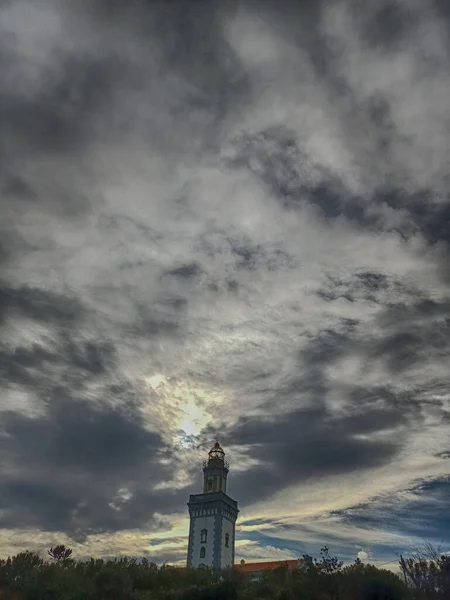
363, 556
80, 468
309, 444
204, 236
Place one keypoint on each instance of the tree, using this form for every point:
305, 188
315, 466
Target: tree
60, 553
328, 564
428, 572
366, 582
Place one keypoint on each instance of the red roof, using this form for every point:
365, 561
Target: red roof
255, 567
265, 566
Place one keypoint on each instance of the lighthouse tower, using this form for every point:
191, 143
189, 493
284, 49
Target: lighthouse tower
213, 516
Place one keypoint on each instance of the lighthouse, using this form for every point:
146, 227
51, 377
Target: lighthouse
213, 516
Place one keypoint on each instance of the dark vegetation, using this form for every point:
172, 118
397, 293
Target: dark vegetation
28, 577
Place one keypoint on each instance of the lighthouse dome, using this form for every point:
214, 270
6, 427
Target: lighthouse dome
216, 452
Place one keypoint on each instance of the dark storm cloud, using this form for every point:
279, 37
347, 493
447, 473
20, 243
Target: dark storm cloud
245, 254
444, 454
70, 111
95, 436
387, 26
321, 350
61, 116
426, 215
28, 365
251, 256
435, 223
189, 42
275, 156
328, 345
24, 366
311, 444
94, 357
39, 304
360, 286
102, 448
366, 399
185, 271
423, 514
163, 318
69, 355
373, 281
252, 522
412, 334
404, 334
15, 185
153, 326
159, 541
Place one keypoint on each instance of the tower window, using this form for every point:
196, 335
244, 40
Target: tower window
203, 536
210, 484
227, 540
202, 552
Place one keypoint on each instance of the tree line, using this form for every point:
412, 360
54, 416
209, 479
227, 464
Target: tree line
27, 576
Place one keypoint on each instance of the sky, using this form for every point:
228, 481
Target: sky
225, 220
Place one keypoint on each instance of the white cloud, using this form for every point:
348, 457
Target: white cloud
363, 556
